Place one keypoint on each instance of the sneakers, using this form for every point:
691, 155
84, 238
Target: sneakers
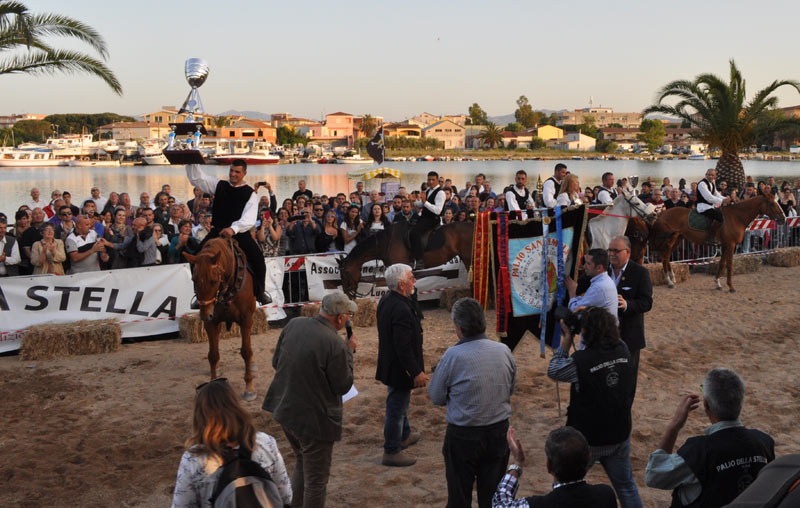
399, 459
412, 439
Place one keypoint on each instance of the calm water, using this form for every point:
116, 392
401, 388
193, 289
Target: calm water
331, 178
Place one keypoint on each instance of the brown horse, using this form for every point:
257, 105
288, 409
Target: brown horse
391, 247
673, 224
222, 299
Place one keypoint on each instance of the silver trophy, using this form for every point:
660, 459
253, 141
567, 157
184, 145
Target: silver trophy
188, 152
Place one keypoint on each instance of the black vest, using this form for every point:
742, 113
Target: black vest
432, 200
601, 407
711, 188
229, 203
556, 186
522, 201
612, 193
11, 270
725, 463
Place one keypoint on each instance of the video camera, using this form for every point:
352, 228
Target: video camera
572, 320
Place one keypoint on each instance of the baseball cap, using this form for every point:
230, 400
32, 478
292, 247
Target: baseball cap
337, 303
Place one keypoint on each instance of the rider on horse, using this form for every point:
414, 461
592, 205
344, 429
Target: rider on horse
430, 218
517, 196
708, 197
234, 215
607, 192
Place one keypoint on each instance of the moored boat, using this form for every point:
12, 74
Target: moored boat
30, 158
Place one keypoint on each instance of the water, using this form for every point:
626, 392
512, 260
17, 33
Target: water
332, 178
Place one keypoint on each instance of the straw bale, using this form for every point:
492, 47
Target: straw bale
310, 310
680, 270
787, 257
451, 295
367, 313
84, 337
741, 265
192, 330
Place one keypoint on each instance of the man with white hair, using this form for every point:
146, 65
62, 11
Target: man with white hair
713, 469
709, 199
400, 362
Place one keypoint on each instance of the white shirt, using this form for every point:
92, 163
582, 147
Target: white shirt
604, 196
208, 184
715, 198
11, 259
199, 231
36, 204
99, 202
549, 193
438, 204
511, 198
89, 263
352, 243
564, 200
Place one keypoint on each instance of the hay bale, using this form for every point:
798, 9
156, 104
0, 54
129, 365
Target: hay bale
42, 342
309, 310
367, 313
680, 270
192, 330
451, 295
787, 257
741, 265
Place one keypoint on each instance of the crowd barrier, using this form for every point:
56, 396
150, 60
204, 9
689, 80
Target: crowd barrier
147, 301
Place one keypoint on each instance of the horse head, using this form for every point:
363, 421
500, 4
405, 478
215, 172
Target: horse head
207, 276
771, 207
349, 284
636, 207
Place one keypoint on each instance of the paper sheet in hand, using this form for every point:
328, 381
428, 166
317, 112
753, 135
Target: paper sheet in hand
350, 394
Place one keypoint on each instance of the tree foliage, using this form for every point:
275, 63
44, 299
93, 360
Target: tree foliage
492, 136
588, 126
36, 131
477, 116
513, 127
403, 142
286, 135
77, 122
369, 124
652, 134
537, 143
606, 146
23, 38
525, 114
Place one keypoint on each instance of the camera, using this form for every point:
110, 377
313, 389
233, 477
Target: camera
572, 320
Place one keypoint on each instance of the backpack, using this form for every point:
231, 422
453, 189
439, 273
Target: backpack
243, 483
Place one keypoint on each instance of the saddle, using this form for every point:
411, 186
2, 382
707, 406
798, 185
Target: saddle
698, 221
431, 240
227, 293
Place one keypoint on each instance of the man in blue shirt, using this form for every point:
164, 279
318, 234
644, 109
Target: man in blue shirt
602, 291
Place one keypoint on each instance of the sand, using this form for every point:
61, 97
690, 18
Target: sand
108, 430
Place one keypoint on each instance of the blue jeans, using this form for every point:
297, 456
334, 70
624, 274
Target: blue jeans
618, 468
396, 427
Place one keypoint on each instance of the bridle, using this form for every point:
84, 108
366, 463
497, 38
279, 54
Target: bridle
635, 207
223, 293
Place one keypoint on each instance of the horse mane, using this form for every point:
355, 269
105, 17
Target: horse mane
361, 248
210, 249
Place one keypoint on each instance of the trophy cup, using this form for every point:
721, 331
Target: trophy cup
188, 151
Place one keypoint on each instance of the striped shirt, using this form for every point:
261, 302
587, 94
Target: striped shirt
475, 379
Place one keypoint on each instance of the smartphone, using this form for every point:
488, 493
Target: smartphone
267, 214
261, 184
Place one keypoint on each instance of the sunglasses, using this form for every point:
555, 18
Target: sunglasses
216, 380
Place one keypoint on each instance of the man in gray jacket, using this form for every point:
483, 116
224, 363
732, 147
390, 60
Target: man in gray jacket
313, 369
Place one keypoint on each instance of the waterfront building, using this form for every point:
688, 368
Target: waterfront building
279, 119
129, 131
450, 133
247, 129
169, 114
402, 129
603, 117
337, 130
547, 132
574, 141
7, 121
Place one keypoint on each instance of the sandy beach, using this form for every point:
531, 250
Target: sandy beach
108, 430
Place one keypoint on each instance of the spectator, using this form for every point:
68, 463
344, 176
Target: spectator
196, 194
319, 214
269, 233
600, 396
674, 200
351, 227
67, 197
9, 252
376, 221
119, 235
647, 192
21, 223
461, 216
313, 369
303, 234
182, 242
787, 202
35, 202
203, 227
374, 198
567, 460
162, 244
302, 191
144, 201
99, 201
329, 234
221, 425
66, 223
447, 217
31, 236
161, 209
51, 210
602, 292
360, 189
112, 202
90, 210
487, 189
401, 365
712, 469
396, 209
85, 250
771, 186
146, 242
552, 186
407, 214
475, 379
172, 226
48, 253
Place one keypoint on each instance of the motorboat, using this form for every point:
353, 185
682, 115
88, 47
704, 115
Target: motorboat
258, 153
698, 157
93, 163
156, 160
151, 147
29, 158
72, 145
352, 157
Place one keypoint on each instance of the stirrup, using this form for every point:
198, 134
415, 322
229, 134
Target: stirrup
419, 264
264, 299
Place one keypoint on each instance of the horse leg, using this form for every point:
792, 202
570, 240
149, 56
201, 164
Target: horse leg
728, 255
723, 260
246, 326
212, 331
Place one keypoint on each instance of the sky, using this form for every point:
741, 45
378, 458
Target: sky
398, 59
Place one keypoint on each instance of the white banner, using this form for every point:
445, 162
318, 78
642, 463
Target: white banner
273, 284
140, 298
323, 278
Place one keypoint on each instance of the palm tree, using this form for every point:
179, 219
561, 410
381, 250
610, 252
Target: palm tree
492, 136
221, 121
718, 112
369, 124
19, 28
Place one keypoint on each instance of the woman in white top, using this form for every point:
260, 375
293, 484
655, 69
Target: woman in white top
376, 220
351, 227
570, 191
221, 423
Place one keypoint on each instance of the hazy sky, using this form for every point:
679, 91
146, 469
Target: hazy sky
397, 59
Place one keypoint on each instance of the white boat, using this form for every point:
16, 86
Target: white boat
129, 149
151, 147
29, 158
93, 163
73, 145
352, 157
258, 153
156, 160
697, 157
110, 146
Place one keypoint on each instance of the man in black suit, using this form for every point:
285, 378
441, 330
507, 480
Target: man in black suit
635, 295
400, 363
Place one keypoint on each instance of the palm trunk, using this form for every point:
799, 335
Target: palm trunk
730, 169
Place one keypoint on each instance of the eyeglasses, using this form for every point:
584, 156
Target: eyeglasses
67, 214
615, 251
216, 380
317, 209
157, 230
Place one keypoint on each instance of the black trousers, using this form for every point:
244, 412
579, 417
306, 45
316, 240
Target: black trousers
472, 453
253, 253
713, 214
424, 224
634, 363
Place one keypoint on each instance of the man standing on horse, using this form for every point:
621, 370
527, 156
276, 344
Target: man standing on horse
235, 214
708, 197
607, 192
432, 209
552, 186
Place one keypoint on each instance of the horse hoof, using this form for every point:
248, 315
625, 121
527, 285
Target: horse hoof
733, 290
719, 288
249, 396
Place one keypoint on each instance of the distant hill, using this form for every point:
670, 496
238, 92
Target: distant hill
256, 115
507, 119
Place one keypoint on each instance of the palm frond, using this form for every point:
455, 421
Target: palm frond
14, 18
70, 62
45, 25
